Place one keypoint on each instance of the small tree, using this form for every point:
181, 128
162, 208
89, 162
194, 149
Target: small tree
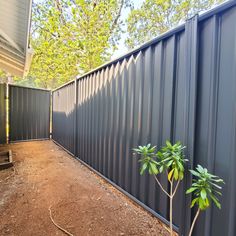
205, 189
169, 160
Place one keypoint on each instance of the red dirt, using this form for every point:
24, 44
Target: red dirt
81, 202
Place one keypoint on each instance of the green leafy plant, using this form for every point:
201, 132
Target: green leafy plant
205, 188
170, 161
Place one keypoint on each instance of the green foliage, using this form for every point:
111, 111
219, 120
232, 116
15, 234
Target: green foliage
148, 159
3, 76
155, 17
72, 37
205, 187
170, 158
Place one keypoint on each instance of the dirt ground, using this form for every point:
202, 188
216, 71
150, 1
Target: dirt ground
44, 176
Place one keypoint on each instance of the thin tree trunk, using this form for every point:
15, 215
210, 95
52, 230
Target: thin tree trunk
171, 208
194, 221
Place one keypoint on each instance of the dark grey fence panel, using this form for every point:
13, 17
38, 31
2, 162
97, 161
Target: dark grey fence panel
181, 86
29, 113
63, 116
216, 117
2, 113
126, 105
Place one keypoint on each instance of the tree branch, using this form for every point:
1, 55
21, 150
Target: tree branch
162, 187
118, 16
176, 187
59, 8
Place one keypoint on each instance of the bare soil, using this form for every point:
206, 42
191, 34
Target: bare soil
81, 202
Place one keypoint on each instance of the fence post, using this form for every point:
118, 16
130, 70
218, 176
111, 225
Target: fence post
3, 118
75, 119
191, 54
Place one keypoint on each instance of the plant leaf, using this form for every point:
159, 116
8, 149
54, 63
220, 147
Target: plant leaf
143, 167
203, 194
190, 190
193, 202
153, 169
170, 174
176, 174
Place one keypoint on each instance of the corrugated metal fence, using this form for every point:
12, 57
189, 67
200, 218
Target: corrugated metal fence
180, 86
2, 113
29, 113
64, 113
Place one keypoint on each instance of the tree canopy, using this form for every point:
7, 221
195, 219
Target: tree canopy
71, 37
155, 17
